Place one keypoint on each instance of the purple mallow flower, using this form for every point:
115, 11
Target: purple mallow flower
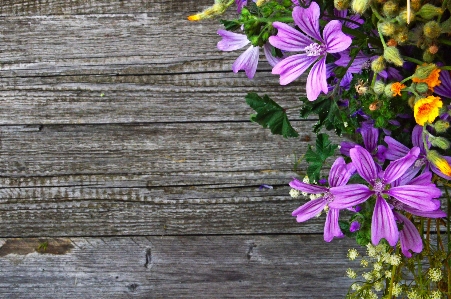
355, 226
338, 176
417, 196
395, 150
370, 136
248, 60
314, 47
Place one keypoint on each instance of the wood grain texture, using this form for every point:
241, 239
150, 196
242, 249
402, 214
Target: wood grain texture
278, 266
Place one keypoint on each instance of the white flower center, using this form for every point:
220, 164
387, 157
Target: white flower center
314, 49
378, 186
420, 162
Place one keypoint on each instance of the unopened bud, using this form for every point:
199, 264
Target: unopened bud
378, 65
432, 29
342, 4
441, 126
411, 101
390, 8
401, 35
422, 87
435, 158
423, 71
439, 142
391, 54
403, 17
216, 9
392, 43
360, 6
387, 90
387, 28
374, 106
415, 4
428, 56
429, 11
379, 87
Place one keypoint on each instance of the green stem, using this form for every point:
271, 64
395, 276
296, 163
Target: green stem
448, 68
376, 13
444, 5
411, 59
406, 79
445, 41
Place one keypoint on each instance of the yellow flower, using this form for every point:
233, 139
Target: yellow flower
427, 109
431, 80
396, 88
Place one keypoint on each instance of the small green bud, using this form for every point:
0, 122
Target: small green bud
387, 90
360, 6
422, 87
432, 29
428, 56
378, 65
429, 11
403, 19
423, 71
441, 126
342, 4
439, 142
391, 54
387, 28
379, 87
390, 8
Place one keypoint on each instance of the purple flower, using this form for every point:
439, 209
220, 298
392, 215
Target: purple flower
314, 47
417, 196
395, 150
248, 60
360, 61
370, 136
355, 226
409, 236
444, 89
338, 176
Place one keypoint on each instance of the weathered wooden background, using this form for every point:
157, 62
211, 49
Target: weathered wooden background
129, 168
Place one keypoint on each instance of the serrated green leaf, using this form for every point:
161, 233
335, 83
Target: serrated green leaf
270, 115
316, 159
231, 25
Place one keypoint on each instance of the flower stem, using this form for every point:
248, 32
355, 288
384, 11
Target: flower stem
411, 59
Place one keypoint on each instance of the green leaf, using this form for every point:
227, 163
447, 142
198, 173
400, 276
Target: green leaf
231, 25
316, 159
270, 115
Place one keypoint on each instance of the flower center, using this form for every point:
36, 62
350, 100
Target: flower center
314, 49
420, 162
378, 186
328, 197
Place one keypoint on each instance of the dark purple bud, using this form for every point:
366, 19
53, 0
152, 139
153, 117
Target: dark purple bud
355, 226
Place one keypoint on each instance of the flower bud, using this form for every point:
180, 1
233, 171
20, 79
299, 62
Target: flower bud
390, 8
411, 101
429, 11
422, 87
378, 65
341, 4
415, 4
403, 18
360, 6
387, 90
387, 28
379, 87
432, 29
433, 49
441, 126
423, 71
401, 35
440, 142
428, 56
435, 158
391, 54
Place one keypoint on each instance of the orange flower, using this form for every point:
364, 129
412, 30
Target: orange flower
427, 109
432, 80
396, 88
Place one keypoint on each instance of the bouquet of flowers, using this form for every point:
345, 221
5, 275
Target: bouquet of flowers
379, 75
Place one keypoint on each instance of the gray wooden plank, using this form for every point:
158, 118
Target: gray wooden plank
277, 266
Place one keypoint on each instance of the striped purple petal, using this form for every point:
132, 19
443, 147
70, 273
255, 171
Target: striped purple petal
398, 167
339, 175
247, 61
395, 149
316, 80
307, 19
313, 189
288, 38
309, 210
231, 41
292, 67
348, 196
335, 40
418, 197
364, 163
331, 227
383, 224
409, 236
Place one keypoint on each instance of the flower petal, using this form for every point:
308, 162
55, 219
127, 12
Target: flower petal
409, 236
309, 210
427, 214
416, 196
271, 59
335, 40
398, 167
364, 163
331, 227
383, 224
348, 196
317, 80
288, 38
370, 136
307, 20
339, 174
314, 189
395, 149
247, 61
417, 138
345, 146
231, 41
292, 67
